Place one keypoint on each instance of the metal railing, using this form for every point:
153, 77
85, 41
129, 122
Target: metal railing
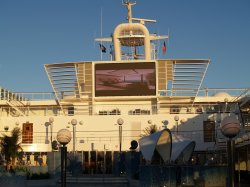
120, 109
235, 92
25, 96
34, 96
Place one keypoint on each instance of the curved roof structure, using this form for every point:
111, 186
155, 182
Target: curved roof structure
160, 141
182, 149
170, 147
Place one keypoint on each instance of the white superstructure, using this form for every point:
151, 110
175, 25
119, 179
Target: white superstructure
137, 87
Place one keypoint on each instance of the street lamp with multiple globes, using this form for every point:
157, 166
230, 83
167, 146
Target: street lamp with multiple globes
63, 137
230, 127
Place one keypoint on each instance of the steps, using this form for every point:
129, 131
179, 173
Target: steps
97, 180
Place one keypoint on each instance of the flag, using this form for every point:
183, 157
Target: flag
103, 48
164, 48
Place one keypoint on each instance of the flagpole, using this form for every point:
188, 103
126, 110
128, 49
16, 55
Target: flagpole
168, 39
101, 33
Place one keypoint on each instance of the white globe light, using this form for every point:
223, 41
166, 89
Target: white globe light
81, 122
120, 121
176, 118
51, 119
73, 122
63, 136
230, 126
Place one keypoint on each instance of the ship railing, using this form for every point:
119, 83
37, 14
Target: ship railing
25, 96
30, 96
37, 96
124, 109
9, 95
103, 136
235, 92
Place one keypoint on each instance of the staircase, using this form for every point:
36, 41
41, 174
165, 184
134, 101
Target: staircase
97, 180
18, 106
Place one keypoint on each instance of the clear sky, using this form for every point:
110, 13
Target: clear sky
38, 32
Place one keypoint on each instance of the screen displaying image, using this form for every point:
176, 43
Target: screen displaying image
125, 79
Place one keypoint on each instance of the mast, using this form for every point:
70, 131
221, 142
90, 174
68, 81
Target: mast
132, 35
129, 8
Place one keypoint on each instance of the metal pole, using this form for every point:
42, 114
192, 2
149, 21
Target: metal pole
74, 140
51, 129
231, 162
177, 130
238, 168
120, 138
120, 149
65, 165
62, 165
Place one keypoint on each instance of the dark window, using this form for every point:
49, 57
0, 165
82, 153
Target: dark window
71, 111
209, 131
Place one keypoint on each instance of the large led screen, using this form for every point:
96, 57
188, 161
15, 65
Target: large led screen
125, 79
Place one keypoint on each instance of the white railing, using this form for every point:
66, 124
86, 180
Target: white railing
34, 96
124, 109
236, 92
25, 96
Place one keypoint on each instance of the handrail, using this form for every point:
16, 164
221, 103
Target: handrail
35, 96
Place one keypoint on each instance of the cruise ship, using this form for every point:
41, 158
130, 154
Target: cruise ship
134, 90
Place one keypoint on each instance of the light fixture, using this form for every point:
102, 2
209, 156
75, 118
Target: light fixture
176, 118
63, 137
120, 121
51, 119
74, 123
230, 127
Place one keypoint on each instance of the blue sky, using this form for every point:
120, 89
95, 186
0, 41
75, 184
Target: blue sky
34, 33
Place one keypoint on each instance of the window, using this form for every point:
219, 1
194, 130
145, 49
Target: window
209, 131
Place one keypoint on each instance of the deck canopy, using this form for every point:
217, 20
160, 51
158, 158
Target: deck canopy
182, 149
160, 141
170, 147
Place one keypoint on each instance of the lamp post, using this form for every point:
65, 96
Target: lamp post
165, 124
51, 120
230, 127
74, 123
63, 137
176, 118
120, 122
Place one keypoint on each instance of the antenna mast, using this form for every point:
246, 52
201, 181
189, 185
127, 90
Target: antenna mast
129, 7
